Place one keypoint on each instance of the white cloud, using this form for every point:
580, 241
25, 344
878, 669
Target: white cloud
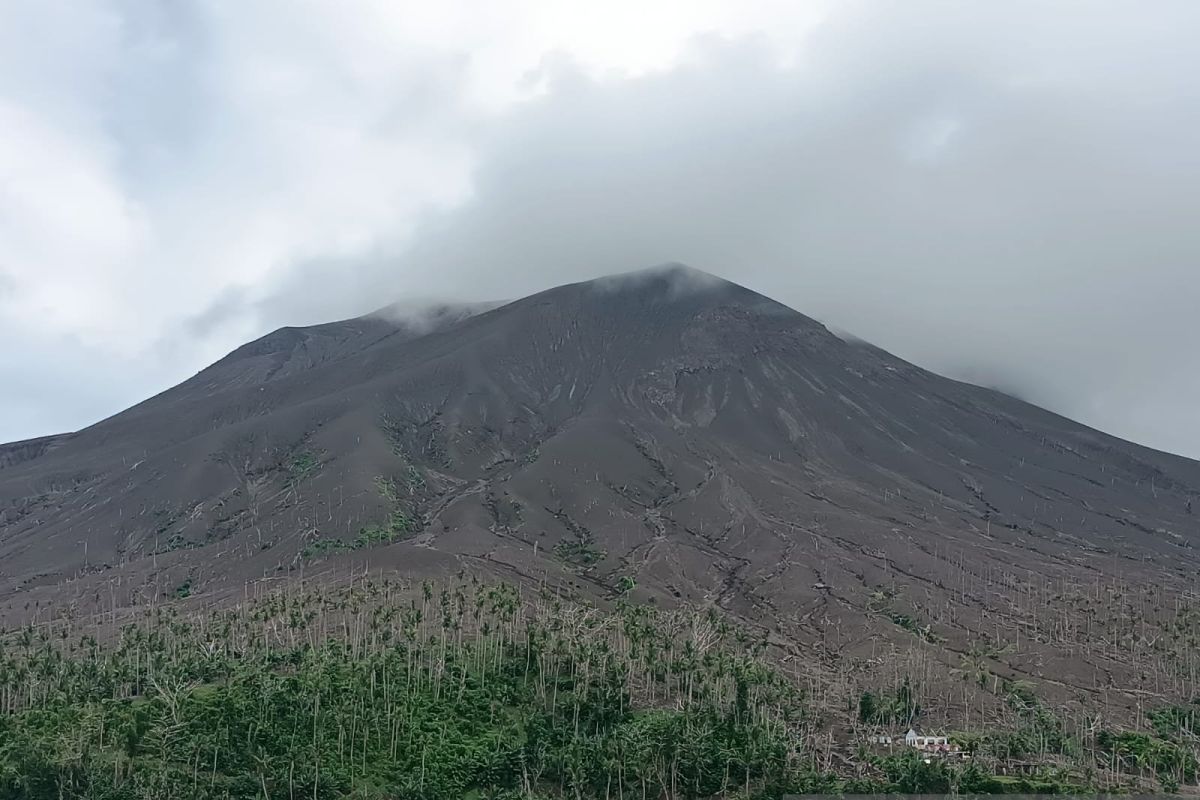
156, 156
69, 234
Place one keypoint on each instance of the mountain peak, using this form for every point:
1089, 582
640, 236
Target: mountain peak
676, 285
674, 278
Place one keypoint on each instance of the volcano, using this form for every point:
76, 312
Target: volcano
666, 436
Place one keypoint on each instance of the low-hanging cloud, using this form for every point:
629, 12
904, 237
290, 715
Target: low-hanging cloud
999, 192
1002, 194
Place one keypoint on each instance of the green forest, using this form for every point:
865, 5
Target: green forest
466, 690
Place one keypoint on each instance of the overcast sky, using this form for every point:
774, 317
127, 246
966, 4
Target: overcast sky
1001, 191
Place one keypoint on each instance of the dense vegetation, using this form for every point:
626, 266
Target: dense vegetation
463, 691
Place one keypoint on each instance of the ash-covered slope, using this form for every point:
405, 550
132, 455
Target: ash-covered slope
666, 426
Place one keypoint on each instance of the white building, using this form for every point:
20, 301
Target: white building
923, 741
